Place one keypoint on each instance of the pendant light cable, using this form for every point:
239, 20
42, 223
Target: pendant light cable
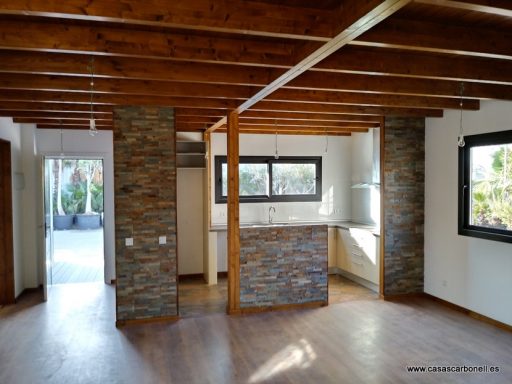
92, 123
276, 155
460, 140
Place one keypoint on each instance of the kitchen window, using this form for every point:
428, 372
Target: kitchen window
485, 186
266, 179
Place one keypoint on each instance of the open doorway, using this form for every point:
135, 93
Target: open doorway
75, 188
196, 296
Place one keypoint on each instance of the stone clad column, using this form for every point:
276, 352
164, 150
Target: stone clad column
145, 209
404, 203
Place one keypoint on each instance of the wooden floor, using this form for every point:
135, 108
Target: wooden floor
72, 339
199, 299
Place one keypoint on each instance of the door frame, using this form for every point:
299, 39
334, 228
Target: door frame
7, 291
82, 156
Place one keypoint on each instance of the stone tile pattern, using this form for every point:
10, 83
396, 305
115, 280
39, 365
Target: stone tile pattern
404, 200
283, 265
145, 208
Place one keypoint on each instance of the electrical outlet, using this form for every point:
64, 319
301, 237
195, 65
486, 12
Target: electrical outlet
128, 241
162, 240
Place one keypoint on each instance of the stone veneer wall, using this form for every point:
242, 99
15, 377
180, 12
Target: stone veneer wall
404, 200
283, 265
145, 208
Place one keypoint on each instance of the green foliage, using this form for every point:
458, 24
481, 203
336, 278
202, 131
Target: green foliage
97, 198
293, 179
492, 196
73, 198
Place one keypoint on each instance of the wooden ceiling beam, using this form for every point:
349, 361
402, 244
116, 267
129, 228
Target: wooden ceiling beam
123, 86
105, 99
52, 119
76, 65
272, 115
493, 7
297, 132
138, 69
174, 89
57, 126
399, 85
44, 36
62, 122
273, 129
345, 109
357, 98
202, 112
54, 115
38, 106
292, 122
278, 124
417, 64
112, 99
228, 16
435, 37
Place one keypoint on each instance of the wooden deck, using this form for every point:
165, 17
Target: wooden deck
78, 256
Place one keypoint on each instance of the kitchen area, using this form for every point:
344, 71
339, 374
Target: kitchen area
292, 253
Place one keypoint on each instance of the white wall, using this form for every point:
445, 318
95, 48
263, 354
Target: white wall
470, 272
31, 207
80, 143
11, 132
366, 170
336, 175
190, 217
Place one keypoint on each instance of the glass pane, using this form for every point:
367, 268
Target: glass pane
253, 179
293, 179
491, 186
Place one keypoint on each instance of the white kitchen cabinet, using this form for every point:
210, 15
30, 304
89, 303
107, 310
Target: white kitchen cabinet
358, 253
331, 247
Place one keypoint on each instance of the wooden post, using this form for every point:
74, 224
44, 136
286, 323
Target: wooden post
233, 216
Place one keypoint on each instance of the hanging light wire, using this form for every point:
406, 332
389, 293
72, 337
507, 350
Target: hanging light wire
460, 139
61, 140
326, 142
92, 122
276, 155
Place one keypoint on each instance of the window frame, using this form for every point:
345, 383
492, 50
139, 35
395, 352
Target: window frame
464, 206
269, 160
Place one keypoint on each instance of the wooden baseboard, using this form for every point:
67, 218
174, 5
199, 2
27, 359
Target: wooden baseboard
282, 307
192, 276
27, 291
470, 313
402, 296
163, 319
222, 275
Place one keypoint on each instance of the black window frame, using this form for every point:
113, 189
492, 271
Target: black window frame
269, 160
464, 206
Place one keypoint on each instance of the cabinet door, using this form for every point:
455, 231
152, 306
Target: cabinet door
341, 253
373, 264
331, 247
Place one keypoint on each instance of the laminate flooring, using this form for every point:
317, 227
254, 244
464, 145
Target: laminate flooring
72, 339
199, 299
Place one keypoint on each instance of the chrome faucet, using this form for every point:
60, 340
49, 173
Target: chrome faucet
270, 216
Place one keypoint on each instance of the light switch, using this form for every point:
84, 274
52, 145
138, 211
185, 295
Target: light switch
162, 240
128, 241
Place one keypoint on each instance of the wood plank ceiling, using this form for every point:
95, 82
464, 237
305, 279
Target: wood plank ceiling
206, 58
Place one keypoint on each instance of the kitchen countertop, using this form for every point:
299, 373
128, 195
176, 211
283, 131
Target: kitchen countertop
333, 224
